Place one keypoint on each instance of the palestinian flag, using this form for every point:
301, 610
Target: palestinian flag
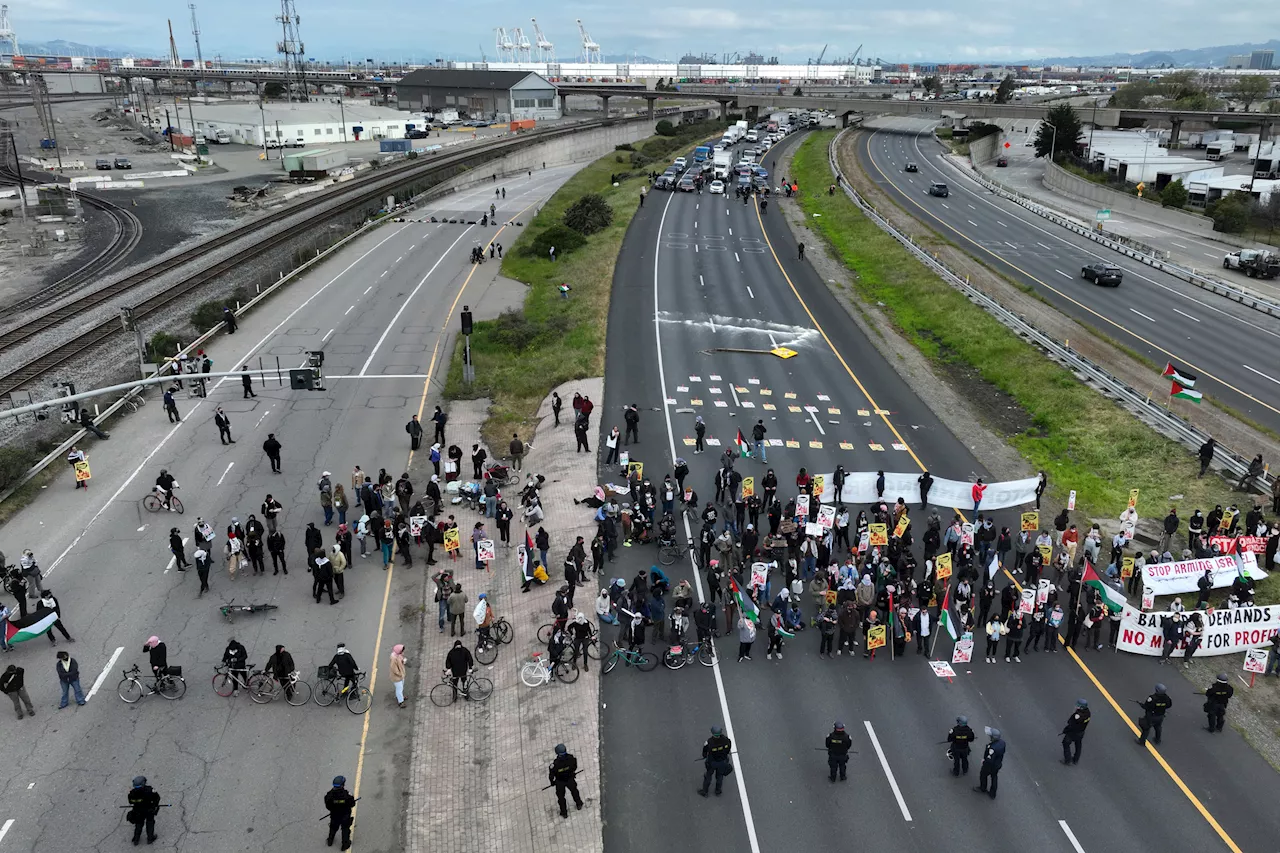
744, 449
29, 627
746, 606
1183, 392
1181, 377
944, 618
1112, 599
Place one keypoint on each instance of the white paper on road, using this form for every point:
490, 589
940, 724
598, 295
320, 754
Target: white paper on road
1180, 577
860, 488
1226, 631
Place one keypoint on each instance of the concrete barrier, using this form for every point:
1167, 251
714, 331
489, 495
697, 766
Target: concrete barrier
1060, 180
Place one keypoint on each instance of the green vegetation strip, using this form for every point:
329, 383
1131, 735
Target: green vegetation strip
1084, 441
523, 354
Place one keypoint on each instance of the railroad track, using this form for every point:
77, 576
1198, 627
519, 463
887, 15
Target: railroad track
325, 206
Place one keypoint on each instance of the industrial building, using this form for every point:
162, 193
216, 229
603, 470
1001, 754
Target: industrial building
312, 124
1258, 60
490, 95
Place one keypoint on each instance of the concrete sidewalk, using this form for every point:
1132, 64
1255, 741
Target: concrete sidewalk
478, 770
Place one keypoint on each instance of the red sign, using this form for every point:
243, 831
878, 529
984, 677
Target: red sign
1006, 145
1228, 544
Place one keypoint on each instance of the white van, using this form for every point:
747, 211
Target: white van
752, 136
222, 137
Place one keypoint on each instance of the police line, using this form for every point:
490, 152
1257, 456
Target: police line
1226, 631
860, 488
1183, 576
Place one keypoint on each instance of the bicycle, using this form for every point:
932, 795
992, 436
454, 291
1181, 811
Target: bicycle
154, 501
643, 661
135, 402
170, 685
296, 691
226, 682
474, 688
229, 609
677, 656
540, 671
358, 698
669, 553
544, 633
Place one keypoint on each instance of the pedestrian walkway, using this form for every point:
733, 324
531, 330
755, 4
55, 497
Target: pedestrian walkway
477, 771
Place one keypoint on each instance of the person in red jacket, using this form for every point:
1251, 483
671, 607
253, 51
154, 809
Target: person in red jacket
978, 489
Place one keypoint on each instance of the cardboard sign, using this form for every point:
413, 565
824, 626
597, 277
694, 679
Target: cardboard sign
812, 528
1030, 522
1133, 499
1042, 591
416, 523
966, 534
1227, 517
1148, 598
827, 516
942, 669
748, 487
1046, 552
206, 530
1126, 567
901, 527
637, 467
1027, 601
864, 542
879, 535
82, 471
963, 651
942, 566
487, 551
452, 541
819, 485
875, 638
1071, 500
1255, 660
624, 458
802, 506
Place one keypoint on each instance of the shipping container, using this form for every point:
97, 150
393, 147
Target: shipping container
1218, 150
523, 124
395, 146
324, 161
293, 162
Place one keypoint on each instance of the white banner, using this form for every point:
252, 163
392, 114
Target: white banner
1177, 578
1226, 631
860, 488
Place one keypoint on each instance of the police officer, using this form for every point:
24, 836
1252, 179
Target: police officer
339, 802
562, 773
1215, 703
715, 753
1154, 707
960, 737
992, 761
838, 744
1073, 732
144, 803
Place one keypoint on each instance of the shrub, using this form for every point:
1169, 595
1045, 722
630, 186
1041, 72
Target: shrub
209, 314
163, 345
589, 214
564, 239
664, 128
1174, 194
626, 146
1230, 213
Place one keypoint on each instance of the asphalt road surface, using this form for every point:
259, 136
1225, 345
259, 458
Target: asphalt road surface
742, 287
242, 776
1233, 350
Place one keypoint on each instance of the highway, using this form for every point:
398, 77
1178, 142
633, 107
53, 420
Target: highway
242, 776
709, 272
1233, 350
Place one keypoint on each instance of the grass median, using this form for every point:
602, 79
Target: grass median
1083, 440
520, 356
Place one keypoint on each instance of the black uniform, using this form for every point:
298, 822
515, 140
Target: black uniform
340, 803
989, 775
144, 804
838, 745
1154, 707
960, 738
717, 761
1215, 704
562, 773
1073, 735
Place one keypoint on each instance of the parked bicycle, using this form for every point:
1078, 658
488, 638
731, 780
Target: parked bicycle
677, 656
644, 661
154, 501
544, 633
331, 687
540, 671
473, 688
500, 633
669, 552
296, 691
170, 685
227, 681
230, 609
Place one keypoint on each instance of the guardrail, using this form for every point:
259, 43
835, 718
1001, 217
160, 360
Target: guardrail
1243, 297
1134, 400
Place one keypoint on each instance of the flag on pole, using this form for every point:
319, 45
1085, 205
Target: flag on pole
1182, 392
1181, 377
1113, 600
944, 618
994, 566
743, 448
746, 606
29, 627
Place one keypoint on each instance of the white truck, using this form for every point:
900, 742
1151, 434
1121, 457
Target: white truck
722, 164
222, 137
447, 118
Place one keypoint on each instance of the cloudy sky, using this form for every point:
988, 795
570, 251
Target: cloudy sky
942, 30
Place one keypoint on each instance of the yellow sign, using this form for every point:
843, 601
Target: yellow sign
770, 407
1046, 552
637, 467
879, 534
901, 527
1133, 498
452, 541
819, 485
783, 352
1126, 567
1030, 522
1227, 518
82, 471
942, 564
748, 486
793, 444
815, 444
875, 638
846, 445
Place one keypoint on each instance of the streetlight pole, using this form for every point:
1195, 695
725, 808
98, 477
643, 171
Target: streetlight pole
343, 113
263, 116
1053, 143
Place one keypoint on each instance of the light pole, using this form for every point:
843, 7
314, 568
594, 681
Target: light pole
263, 115
1053, 143
343, 113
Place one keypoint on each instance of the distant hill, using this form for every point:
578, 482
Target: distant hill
1197, 57
60, 47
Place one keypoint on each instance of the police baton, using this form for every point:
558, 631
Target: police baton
553, 784
824, 749
156, 806
353, 802
707, 757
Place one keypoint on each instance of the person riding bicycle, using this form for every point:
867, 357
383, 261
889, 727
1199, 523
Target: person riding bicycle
484, 620
666, 530
165, 484
236, 657
346, 666
281, 667
159, 655
458, 663
559, 640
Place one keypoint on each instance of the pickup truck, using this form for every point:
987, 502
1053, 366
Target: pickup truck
1254, 263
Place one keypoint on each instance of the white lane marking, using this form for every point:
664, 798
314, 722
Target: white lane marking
971, 207
893, 783
412, 247
1185, 314
752, 842
695, 248
4, 830
1260, 373
408, 299
944, 204
1071, 836
1180, 246
734, 392
974, 224
701, 283
366, 290
817, 423
398, 260
384, 272
1064, 275
1010, 245
261, 419
713, 324
382, 376
173, 561
736, 258
147, 459
1001, 224
749, 293
773, 342
730, 230
1140, 314
327, 334
1043, 246
1208, 255
695, 225
348, 311
230, 465
102, 676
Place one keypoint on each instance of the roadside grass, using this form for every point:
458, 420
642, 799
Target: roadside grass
1084, 441
522, 355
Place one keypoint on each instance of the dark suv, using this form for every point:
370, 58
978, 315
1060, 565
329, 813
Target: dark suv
938, 189
1102, 274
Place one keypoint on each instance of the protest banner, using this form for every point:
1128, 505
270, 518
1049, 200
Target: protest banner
1226, 630
748, 487
860, 488
901, 527
1239, 544
966, 534
1027, 601
813, 528
942, 564
637, 468
875, 638
963, 651
1126, 567
802, 506
82, 471
1255, 661
864, 542
1071, 500
1177, 578
827, 516
1046, 553
942, 669
452, 541
819, 486
1148, 598
1228, 518
1030, 522
879, 535
486, 550
416, 523
1042, 591
1133, 498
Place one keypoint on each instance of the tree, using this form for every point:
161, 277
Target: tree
1180, 85
273, 90
664, 128
933, 84
589, 214
1174, 194
1004, 90
1251, 89
1230, 213
989, 76
1059, 131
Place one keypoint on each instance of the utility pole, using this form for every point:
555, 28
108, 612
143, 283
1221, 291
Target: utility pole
343, 113
17, 170
262, 113
468, 368
291, 48
195, 32
168, 129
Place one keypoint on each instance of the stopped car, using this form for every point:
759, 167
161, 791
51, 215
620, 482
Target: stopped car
687, 184
122, 163
911, 167
939, 189
680, 163
1002, 161
416, 134
102, 163
664, 182
717, 187
1101, 273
